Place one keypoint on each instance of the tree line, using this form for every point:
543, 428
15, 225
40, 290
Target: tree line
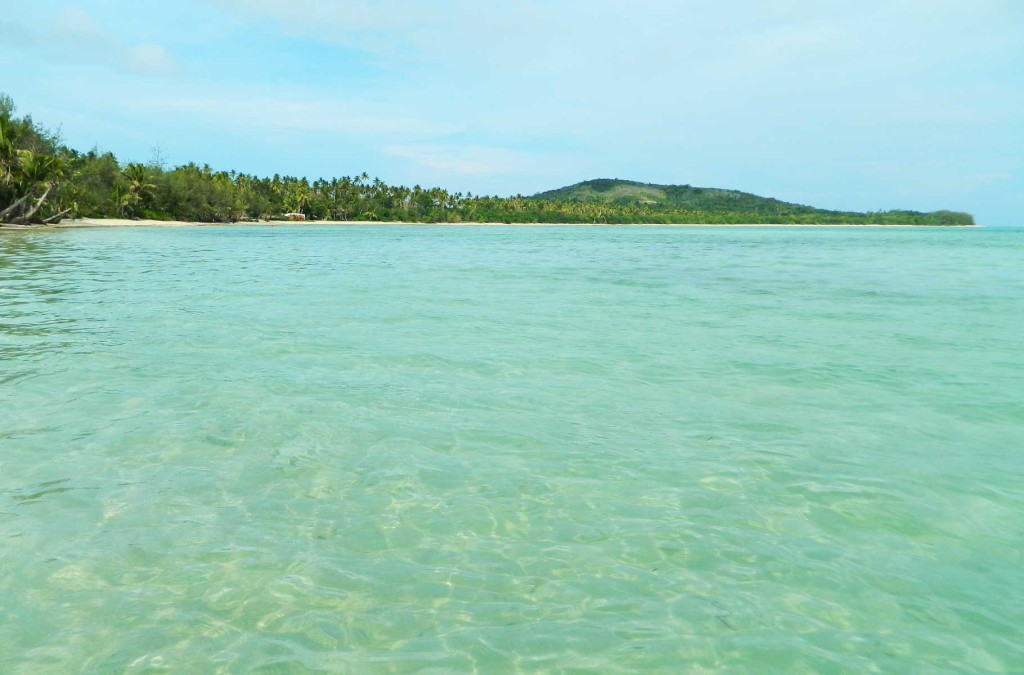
43, 181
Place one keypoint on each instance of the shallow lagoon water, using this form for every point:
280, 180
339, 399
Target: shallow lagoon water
397, 449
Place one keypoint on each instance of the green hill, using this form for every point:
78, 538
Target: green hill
676, 198
627, 193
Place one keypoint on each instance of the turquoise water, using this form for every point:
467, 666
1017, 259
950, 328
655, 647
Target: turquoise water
397, 449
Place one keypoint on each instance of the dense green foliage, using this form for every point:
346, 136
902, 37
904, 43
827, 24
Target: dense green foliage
32, 166
42, 180
711, 205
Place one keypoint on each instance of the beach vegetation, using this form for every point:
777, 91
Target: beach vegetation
42, 181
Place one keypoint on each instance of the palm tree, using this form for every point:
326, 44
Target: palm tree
32, 174
139, 189
298, 195
8, 154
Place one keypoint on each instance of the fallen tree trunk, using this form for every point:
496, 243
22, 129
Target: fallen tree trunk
27, 218
14, 207
52, 220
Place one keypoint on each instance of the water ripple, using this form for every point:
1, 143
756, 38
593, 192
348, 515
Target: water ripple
500, 449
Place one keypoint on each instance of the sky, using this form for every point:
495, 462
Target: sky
845, 104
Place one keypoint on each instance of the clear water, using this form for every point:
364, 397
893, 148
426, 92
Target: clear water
245, 449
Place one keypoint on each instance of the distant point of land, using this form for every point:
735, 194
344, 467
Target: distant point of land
749, 207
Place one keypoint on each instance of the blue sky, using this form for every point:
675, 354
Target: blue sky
868, 104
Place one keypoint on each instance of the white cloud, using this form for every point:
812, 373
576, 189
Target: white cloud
76, 37
469, 159
75, 24
150, 58
289, 108
348, 15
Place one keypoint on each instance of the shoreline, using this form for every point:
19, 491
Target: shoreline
125, 222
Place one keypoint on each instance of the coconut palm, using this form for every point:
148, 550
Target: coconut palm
8, 154
138, 188
34, 177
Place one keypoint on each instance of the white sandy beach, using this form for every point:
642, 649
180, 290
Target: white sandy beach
125, 222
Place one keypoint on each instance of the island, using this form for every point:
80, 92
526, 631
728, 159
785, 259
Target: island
43, 181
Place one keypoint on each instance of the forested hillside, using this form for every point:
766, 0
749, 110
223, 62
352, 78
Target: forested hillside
686, 198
